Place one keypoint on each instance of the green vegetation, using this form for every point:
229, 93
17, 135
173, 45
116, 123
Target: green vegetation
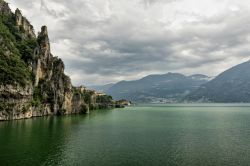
87, 96
37, 97
26, 49
104, 99
15, 51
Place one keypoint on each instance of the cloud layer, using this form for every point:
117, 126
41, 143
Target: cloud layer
103, 41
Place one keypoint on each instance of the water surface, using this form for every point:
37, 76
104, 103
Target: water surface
144, 135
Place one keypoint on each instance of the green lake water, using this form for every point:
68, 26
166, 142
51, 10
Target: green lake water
143, 135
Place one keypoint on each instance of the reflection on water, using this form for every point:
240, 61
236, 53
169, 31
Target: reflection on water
142, 135
33, 141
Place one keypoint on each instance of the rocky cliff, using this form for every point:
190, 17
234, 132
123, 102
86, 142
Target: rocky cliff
32, 80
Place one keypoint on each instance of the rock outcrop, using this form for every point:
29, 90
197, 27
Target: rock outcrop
4, 8
24, 24
47, 91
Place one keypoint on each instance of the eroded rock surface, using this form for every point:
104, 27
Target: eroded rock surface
48, 91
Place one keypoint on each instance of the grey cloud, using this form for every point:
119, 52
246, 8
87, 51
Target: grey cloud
45, 8
103, 41
151, 2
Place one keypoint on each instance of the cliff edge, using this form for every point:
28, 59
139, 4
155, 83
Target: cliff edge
32, 80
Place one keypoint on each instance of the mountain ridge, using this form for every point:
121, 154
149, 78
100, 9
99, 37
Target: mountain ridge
231, 85
170, 87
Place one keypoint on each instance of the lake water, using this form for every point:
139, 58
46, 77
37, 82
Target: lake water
144, 135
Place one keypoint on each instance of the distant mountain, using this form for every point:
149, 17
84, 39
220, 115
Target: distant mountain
231, 86
170, 87
101, 88
200, 77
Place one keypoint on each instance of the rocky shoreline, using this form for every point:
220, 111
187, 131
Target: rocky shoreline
48, 91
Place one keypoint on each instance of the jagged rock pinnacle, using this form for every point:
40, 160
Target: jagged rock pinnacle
18, 11
49, 91
44, 30
19, 17
43, 41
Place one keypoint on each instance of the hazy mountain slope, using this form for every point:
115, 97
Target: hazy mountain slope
232, 85
171, 87
101, 88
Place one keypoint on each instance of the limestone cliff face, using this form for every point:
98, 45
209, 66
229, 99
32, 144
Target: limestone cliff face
15, 102
4, 8
50, 92
24, 25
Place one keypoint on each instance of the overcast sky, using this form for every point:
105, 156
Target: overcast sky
103, 41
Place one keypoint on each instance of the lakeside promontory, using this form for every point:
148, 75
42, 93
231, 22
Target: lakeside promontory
32, 80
